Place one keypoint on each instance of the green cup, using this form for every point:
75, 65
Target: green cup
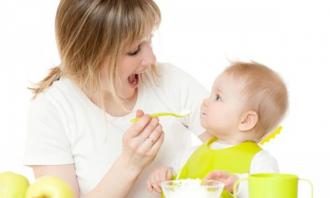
272, 185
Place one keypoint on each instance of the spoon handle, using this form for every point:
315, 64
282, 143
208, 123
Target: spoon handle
161, 114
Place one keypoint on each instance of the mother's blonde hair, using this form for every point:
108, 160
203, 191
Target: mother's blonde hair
90, 31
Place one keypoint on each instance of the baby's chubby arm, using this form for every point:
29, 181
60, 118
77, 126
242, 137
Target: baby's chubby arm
168, 172
163, 173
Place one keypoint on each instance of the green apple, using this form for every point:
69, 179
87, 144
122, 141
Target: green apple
49, 187
13, 185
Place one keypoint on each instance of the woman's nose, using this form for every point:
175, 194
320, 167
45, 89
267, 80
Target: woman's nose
148, 57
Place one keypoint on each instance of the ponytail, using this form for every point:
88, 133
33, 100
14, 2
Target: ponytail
54, 74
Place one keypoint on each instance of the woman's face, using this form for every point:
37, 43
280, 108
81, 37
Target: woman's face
132, 62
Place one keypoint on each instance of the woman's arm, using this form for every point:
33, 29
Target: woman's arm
116, 183
65, 172
141, 144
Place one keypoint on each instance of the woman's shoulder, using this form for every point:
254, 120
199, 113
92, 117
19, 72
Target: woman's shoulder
61, 93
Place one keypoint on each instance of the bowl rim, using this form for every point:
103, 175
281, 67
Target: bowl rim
216, 182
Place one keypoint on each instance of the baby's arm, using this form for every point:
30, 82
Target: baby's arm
159, 175
165, 173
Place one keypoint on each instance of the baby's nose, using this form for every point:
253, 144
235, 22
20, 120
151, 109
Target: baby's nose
205, 102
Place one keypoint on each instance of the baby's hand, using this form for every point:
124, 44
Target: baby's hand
161, 174
227, 178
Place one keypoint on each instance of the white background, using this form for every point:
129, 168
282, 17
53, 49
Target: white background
290, 36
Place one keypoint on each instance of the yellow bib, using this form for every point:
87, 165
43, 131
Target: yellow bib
235, 159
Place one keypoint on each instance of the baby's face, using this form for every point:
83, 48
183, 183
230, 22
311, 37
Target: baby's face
221, 111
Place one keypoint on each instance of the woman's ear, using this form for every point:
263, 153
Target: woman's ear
248, 121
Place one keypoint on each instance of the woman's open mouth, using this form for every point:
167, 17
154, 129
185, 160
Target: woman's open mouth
133, 80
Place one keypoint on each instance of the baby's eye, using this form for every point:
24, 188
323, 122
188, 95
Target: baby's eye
218, 97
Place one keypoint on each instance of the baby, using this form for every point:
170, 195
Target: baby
248, 100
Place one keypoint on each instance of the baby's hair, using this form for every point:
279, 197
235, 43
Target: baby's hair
263, 92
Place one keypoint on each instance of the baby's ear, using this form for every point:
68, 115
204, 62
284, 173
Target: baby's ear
248, 121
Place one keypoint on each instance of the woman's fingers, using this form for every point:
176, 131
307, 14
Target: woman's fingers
139, 113
138, 127
145, 128
148, 143
148, 130
155, 148
142, 140
154, 136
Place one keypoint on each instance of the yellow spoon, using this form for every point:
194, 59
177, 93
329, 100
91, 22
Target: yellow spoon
161, 114
185, 113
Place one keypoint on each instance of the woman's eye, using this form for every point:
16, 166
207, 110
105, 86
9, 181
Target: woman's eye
218, 97
134, 52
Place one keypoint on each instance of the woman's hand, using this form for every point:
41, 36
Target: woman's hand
161, 174
142, 141
227, 178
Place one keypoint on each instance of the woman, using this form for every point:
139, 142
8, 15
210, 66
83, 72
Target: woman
78, 125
